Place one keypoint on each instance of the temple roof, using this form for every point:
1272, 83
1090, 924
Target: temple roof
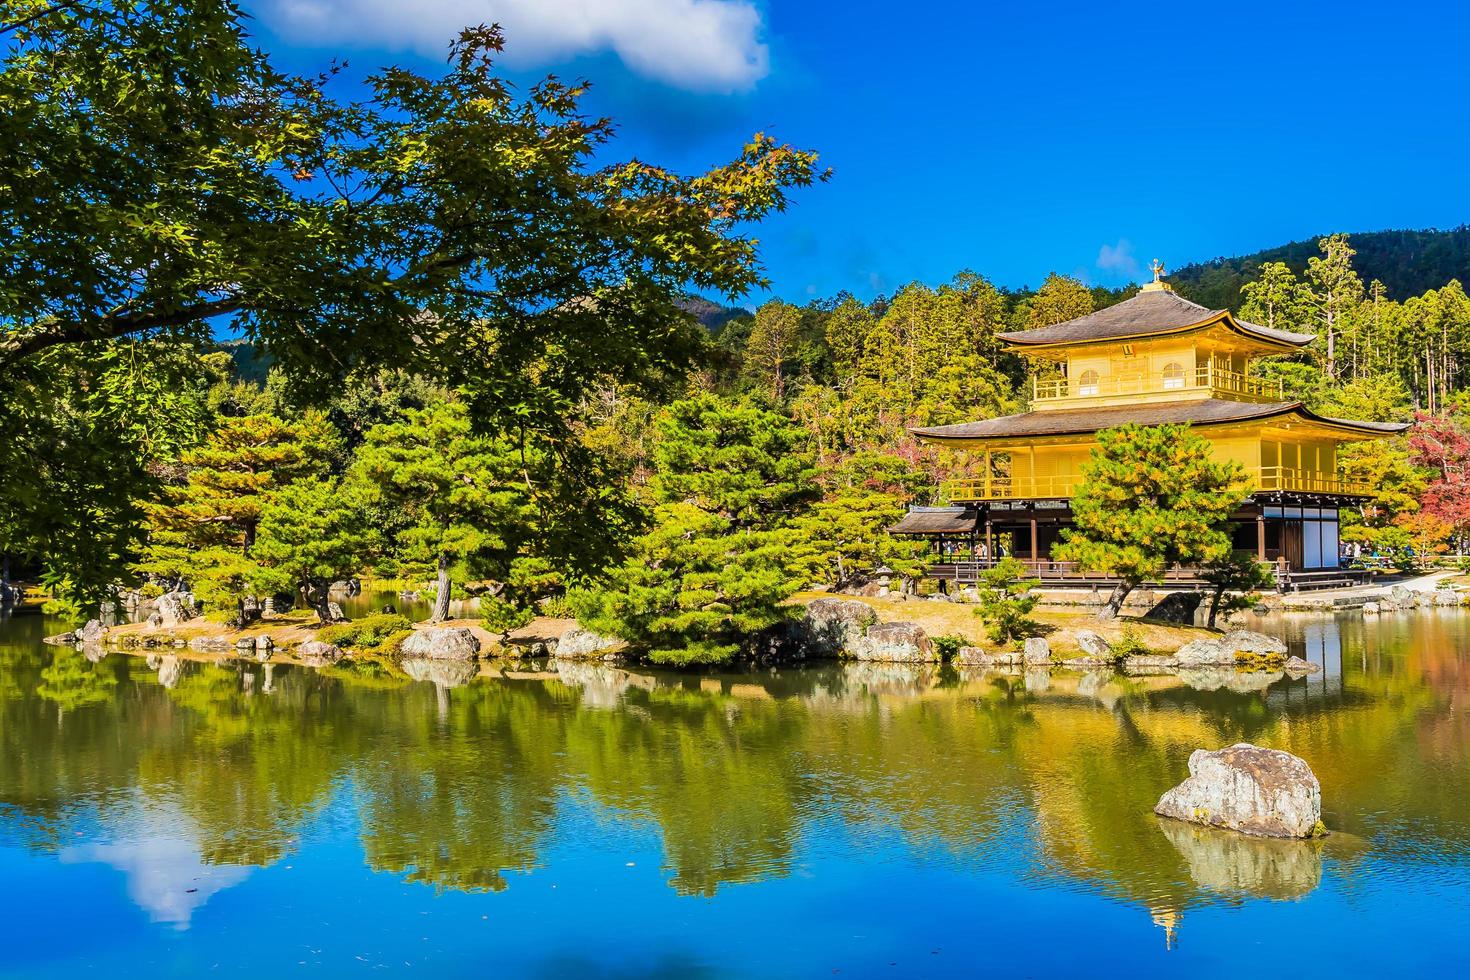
1210, 411
937, 520
1152, 311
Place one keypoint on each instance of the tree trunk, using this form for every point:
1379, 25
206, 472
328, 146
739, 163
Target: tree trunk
319, 594
1114, 604
441, 600
4, 580
1215, 598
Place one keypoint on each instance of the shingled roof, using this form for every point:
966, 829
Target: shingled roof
1210, 411
1152, 311
937, 520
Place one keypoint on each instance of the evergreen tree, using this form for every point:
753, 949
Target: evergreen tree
464, 497
1059, 299
1235, 572
773, 345
1152, 497
1333, 293
1006, 601
1275, 299
847, 330
719, 560
204, 530
311, 534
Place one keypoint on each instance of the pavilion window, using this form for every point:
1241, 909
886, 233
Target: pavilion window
1087, 384
1173, 375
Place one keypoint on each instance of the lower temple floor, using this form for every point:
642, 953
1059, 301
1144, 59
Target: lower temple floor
1300, 535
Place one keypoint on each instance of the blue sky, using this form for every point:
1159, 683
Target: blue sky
1009, 138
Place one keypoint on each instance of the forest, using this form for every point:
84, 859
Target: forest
485, 367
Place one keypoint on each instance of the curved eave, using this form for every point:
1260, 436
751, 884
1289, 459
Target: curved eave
1286, 342
1344, 428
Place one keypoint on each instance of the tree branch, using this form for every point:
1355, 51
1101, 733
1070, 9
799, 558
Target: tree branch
23, 343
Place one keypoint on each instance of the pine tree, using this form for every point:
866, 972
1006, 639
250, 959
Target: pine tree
1151, 497
204, 530
720, 559
1059, 299
1333, 293
311, 534
1275, 299
772, 346
464, 497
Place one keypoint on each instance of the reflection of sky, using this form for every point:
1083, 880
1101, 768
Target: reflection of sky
166, 876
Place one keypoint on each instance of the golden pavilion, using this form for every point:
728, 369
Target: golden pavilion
1153, 359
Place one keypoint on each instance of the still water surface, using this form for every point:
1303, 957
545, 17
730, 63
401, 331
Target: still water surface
229, 818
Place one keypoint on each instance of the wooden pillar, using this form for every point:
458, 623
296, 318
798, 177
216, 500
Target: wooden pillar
1261, 536
989, 540
1034, 555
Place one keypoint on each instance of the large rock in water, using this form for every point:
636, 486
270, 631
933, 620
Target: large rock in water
1254, 644
315, 653
1265, 792
579, 644
440, 643
1204, 653
836, 625
902, 643
1037, 651
174, 608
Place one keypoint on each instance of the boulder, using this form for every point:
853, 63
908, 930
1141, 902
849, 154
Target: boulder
92, 632
1093, 645
1204, 653
1253, 644
175, 608
1177, 607
1446, 597
835, 625
442, 673
1036, 651
1298, 667
1370, 609
1089, 663
210, 644
1403, 597
315, 653
440, 643
579, 644
1150, 663
981, 657
1264, 792
904, 643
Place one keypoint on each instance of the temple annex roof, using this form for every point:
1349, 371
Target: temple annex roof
1151, 312
937, 520
1210, 411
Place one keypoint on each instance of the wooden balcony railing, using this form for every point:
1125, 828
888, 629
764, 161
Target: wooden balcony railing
1218, 381
1063, 486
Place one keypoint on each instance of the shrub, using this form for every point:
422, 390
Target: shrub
1129, 645
557, 607
500, 616
1006, 601
949, 645
150, 590
368, 632
391, 643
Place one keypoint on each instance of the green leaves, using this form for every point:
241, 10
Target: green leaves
1152, 497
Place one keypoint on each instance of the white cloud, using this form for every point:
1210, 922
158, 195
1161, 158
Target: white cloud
709, 45
1118, 259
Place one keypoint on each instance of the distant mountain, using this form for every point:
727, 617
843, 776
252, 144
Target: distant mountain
1407, 262
711, 314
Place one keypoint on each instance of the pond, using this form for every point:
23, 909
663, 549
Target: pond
181, 817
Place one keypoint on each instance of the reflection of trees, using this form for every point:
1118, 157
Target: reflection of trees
458, 787
459, 804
